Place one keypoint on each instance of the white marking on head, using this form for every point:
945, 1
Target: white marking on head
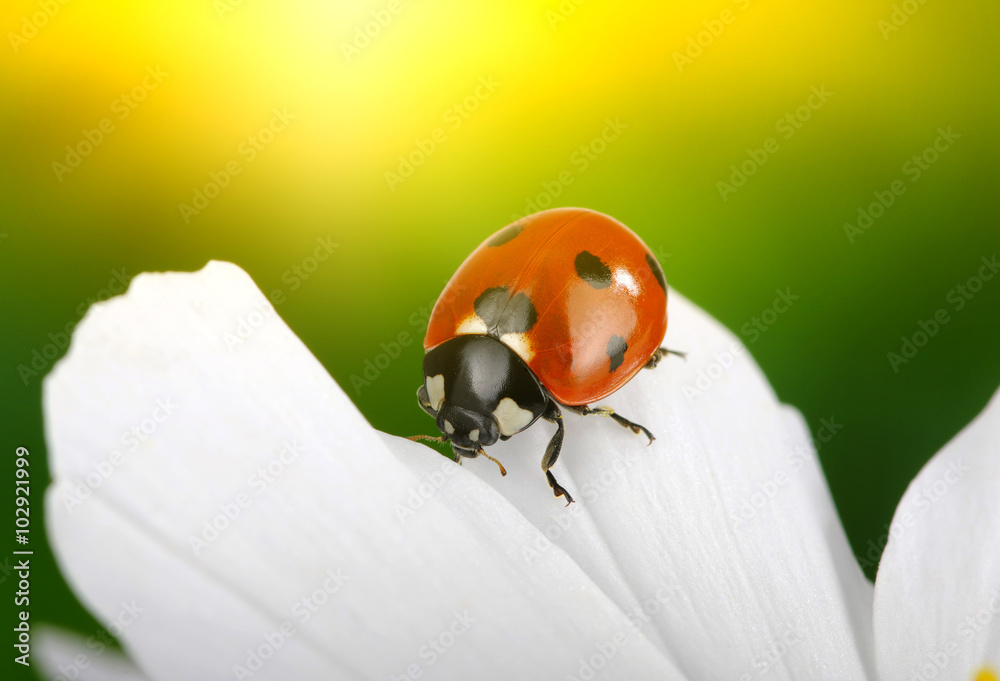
472, 324
510, 417
448, 428
435, 391
519, 343
474, 435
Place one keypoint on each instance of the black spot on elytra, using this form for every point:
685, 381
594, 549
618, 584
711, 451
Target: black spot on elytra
657, 271
490, 304
504, 235
590, 268
616, 351
519, 316
503, 315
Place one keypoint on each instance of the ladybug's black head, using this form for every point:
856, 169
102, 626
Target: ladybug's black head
479, 391
466, 430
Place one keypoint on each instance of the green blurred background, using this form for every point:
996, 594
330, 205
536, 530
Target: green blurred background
512, 96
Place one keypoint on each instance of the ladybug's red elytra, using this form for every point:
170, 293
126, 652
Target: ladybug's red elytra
559, 309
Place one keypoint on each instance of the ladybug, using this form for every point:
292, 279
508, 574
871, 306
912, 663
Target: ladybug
555, 311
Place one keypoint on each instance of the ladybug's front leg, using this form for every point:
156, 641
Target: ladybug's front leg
553, 415
659, 354
584, 410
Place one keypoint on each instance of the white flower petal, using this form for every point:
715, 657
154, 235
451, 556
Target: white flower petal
188, 400
937, 594
728, 510
62, 655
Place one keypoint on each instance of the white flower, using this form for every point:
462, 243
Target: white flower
222, 504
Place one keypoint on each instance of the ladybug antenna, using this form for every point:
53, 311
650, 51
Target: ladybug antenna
429, 438
482, 452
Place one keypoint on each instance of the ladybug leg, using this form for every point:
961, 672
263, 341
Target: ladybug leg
660, 354
553, 415
584, 410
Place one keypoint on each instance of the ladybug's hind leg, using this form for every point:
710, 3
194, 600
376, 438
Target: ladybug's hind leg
584, 410
553, 415
659, 354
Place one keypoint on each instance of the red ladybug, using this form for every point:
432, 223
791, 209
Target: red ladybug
559, 309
